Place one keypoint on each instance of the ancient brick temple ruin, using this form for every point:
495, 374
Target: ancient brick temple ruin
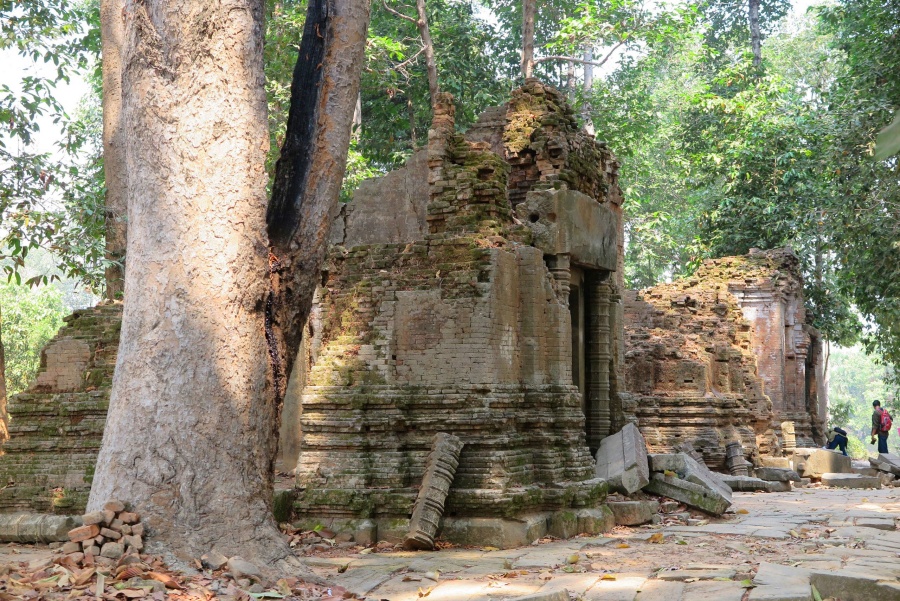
470, 336
725, 356
445, 307
56, 426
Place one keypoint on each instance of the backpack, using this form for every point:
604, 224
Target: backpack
886, 421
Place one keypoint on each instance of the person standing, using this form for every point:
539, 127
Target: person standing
881, 426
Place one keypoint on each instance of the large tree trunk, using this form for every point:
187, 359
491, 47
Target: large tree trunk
309, 172
4, 417
430, 64
755, 39
190, 437
112, 33
529, 8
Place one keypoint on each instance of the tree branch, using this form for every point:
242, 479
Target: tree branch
582, 61
397, 13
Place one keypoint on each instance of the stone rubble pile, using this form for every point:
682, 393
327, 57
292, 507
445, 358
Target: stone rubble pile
105, 536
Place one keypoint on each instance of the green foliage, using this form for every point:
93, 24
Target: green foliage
855, 380
47, 201
30, 319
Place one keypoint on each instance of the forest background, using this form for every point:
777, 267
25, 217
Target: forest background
733, 133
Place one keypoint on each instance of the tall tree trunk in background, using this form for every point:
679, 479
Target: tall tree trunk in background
4, 416
529, 8
309, 173
588, 88
430, 64
411, 113
570, 81
190, 437
112, 32
755, 39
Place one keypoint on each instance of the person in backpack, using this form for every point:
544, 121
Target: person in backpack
881, 426
837, 439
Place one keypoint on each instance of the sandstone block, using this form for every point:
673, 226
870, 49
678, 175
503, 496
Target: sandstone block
823, 461
887, 462
779, 486
108, 516
76, 557
708, 499
112, 550
622, 460
95, 517
775, 474
691, 470
851, 481
772, 461
633, 513
82, 533
129, 518
745, 483
106, 532
240, 568
213, 560
71, 547
114, 506
135, 542
137, 529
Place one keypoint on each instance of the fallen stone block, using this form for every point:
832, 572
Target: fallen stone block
772, 461
633, 513
440, 467
851, 481
746, 483
886, 462
691, 470
823, 461
622, 460
780, 487
36, 527
776, 474
865, 471
702, 497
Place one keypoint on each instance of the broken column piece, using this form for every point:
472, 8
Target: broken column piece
789, 436
440, 467
734, 459
622, 460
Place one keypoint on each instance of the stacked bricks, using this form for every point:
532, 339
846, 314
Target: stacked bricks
691, 364
105, 536
56, 427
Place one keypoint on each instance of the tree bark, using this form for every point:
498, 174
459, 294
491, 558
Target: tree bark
4, 416
755, 39
430, 64
190, 437
112, 31
529, 8
309, 173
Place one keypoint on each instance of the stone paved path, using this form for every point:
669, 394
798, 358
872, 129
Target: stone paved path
843, 542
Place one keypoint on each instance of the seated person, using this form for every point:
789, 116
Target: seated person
837, 439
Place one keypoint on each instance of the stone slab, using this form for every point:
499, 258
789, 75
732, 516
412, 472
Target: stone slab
777, 474
691, 470
622, 460
886, 462
660, 590
849, 586
699, 572
708, 590
775, 582
823, 461
844, 480
695, 495
745, 483
771, 461
633, 513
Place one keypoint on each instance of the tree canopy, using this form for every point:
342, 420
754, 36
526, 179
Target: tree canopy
719, 154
